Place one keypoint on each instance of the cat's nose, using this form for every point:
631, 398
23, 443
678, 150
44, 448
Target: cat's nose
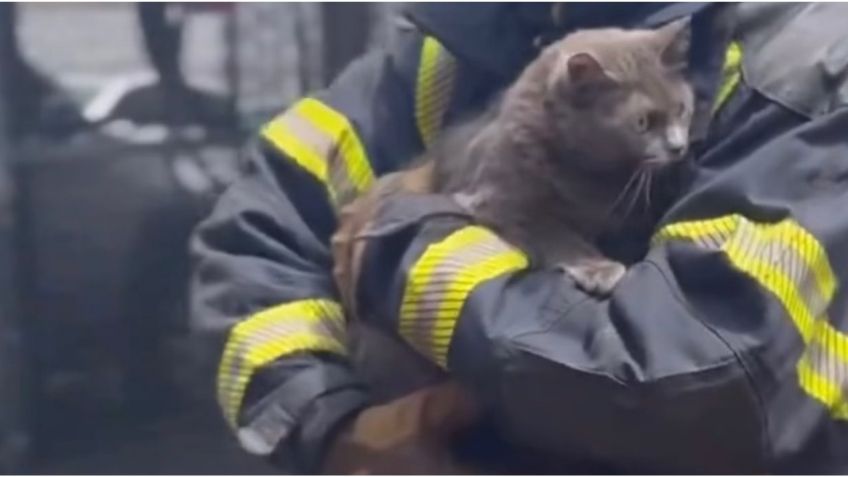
676, 139
677, 149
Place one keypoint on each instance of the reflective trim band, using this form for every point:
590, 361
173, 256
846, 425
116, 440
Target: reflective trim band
308, 325
324, 143
434, 89
792, 265
443, 278
824, 378
262, 435
731, 74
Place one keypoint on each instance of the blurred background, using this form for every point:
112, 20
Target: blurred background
119, 125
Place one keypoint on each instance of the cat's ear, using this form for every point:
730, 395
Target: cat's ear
581, 78
674, 41
584, 68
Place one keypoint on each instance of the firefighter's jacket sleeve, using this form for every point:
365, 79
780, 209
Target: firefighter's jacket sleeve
724, 350
262, 285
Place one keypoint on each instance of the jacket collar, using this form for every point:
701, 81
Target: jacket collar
503, 37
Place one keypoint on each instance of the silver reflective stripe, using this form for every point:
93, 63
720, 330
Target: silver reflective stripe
441, 280
420, 324
832, 368
327, 148
262, 435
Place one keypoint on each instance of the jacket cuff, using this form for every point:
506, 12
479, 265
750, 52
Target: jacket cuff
292, 424
327, 416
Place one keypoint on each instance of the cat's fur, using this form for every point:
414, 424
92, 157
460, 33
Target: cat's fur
548, 166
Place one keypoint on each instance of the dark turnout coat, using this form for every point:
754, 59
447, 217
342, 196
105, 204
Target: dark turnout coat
724, 349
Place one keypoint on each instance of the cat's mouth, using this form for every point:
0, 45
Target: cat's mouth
656, 162
653, 161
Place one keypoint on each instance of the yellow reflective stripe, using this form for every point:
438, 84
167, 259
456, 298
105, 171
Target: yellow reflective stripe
335, 125
434, 88
786, 241
810, 251
833, 341
793, 251
307, 325
731, 74
443, 278
824, 387
772, 278
324, 143
713, 231
793, 266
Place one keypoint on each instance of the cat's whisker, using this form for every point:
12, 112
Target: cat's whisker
621, 195
636, 192
646, 190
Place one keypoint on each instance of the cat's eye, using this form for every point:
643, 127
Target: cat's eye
681, 110
642, 123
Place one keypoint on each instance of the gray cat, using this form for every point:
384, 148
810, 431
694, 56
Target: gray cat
561, 158
555, 163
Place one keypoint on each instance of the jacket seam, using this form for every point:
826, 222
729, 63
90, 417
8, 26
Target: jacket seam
768, 446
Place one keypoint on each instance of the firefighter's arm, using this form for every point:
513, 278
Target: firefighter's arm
729, 310
262, 287
262, 302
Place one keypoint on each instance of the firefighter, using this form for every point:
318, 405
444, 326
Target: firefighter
724, 349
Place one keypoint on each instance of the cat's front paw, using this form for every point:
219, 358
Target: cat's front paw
597, 277
465, 200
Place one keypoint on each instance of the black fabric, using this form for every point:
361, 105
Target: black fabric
14, 435
791, 168
500, 38
327, 414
